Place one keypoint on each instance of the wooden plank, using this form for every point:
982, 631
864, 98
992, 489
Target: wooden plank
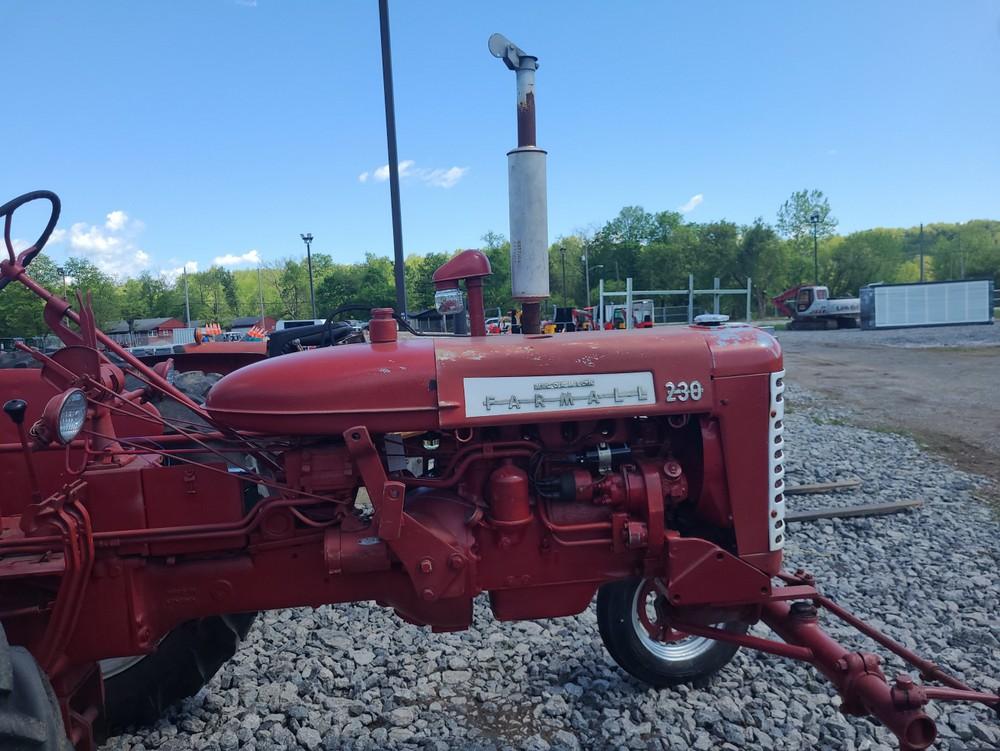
824, 487
846, 512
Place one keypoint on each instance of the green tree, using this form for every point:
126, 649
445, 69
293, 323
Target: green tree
566, 294
496, 289
761, 258
85, 277
862, 258
21, 310
796, 223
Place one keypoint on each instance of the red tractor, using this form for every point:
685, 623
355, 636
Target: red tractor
645, 469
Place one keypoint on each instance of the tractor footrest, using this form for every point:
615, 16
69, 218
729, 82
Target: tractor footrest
32, 564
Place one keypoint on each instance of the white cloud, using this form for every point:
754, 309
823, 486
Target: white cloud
444, 178
172, 274
437, 177
381, 174
230, 259
116, 220
692, 203
112, 248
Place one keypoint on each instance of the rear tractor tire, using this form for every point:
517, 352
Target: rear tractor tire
627, 613
30, 719
138, 689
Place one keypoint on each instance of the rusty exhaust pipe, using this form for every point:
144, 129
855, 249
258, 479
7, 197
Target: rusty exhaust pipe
529, 229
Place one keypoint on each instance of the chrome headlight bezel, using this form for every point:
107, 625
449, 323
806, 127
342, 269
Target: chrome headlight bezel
66, 415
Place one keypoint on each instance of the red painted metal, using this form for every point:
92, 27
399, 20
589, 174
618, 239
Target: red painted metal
121, 546
472, 266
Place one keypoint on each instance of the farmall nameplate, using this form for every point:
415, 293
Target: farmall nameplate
515, 395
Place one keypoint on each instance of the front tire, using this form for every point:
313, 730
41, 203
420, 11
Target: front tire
30, 719
676, 658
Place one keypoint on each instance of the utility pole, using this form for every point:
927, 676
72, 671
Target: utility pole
399, 268
260, 291
921, 251
187, 299
586, 271
307, 239
562, 252
593, 268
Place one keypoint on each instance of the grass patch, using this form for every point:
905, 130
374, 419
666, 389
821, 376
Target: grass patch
833, 421
846, 422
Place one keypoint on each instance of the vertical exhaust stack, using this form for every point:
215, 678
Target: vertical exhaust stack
529, 226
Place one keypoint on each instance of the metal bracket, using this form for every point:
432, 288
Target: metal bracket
429, 560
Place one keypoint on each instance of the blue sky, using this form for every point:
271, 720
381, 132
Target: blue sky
195, 130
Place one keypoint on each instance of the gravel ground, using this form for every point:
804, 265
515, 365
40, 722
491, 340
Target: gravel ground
934, 336
355, 677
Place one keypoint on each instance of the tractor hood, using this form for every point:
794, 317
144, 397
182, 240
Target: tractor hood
432, 383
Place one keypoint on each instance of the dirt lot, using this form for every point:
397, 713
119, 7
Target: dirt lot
942, 386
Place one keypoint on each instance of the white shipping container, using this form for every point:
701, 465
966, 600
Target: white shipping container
927, 304
183, 336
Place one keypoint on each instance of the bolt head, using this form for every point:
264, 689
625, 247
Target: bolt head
904, 682
456, 561
428, 594
672, 470
426, 566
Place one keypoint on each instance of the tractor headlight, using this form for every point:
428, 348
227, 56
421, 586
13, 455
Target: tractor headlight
70, 415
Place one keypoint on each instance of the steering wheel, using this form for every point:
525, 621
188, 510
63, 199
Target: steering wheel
26, 256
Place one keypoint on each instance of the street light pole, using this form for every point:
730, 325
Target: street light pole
187, 299
921, 251
260, 291
62, 273
814, 220
307, 239
586, 271
595, 268
562, 252
399, 264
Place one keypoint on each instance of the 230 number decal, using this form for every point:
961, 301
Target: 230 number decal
682, 391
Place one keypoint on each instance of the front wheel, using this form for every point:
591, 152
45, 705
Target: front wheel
631, 620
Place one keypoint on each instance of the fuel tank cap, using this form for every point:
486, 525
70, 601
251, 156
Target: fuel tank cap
382, 327
710, 319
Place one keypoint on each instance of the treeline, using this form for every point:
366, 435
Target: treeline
657, 249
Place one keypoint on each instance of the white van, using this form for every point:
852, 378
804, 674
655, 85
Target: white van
283, 324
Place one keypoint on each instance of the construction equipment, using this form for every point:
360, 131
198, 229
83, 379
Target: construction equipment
646, 468
642, 315
811, 308
569, 319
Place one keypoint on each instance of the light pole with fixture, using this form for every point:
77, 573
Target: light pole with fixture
307, 239
562, 252
62, 272
592, 268
814, 221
